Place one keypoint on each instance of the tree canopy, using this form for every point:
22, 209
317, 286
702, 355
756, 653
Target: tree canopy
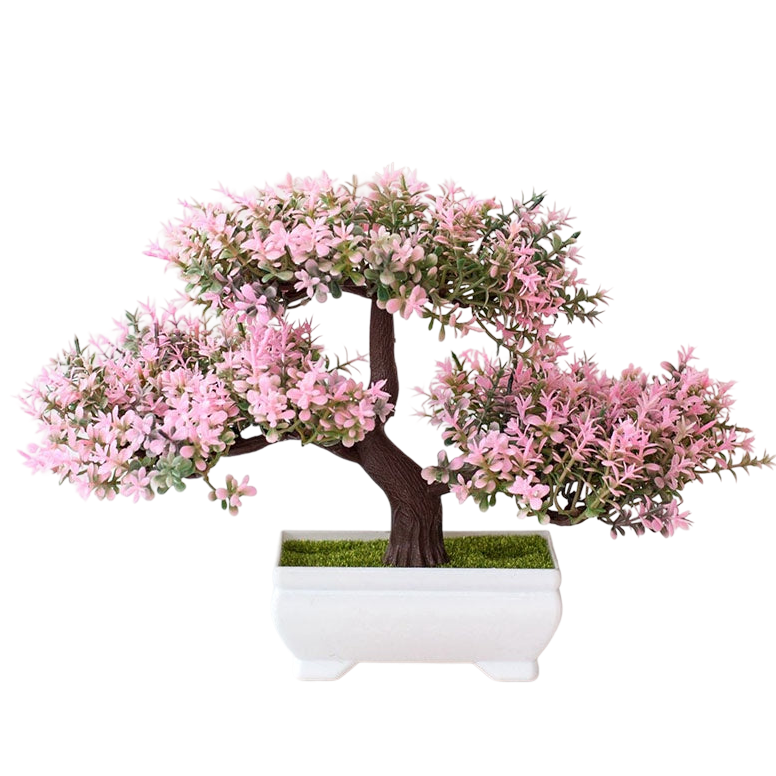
176, 391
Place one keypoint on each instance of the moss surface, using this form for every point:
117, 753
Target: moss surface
506, 552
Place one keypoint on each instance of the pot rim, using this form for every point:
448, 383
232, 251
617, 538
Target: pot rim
333, 578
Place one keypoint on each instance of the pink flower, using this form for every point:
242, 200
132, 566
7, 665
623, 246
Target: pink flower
344, 233
300, 243
311, 285
38, 458
662, 518
460, 489
231, 494
406, 305
81, 486
113, 459
685, 356
137, 484
255, 242
415, 302
276, 241
533, 494
247, 301
139, 430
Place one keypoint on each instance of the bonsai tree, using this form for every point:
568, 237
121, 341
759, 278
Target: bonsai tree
175, 392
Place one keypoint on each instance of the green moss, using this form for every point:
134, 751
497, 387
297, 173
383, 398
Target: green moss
527, 551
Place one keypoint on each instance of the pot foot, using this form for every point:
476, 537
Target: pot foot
323, 670
510, 671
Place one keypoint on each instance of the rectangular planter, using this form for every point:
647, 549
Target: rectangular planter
333, 618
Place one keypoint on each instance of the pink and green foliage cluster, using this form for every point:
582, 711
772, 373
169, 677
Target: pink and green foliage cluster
166, 400
173, 394
571, 443
460, 262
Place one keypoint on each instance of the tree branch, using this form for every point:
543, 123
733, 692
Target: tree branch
352, 288
252, 444
347, 453
293, 297
439, 488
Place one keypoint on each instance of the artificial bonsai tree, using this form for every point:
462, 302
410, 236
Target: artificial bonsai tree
176, 392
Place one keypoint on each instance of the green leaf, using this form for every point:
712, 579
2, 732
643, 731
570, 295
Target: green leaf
592, 512
185, 467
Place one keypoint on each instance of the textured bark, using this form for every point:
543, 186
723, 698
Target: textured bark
242, 446
416, 512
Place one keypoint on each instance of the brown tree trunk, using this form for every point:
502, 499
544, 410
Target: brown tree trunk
416, 513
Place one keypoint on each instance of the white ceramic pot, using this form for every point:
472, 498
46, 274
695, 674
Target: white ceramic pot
333, 618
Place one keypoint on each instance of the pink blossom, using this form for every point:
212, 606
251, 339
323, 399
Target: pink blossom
230, 496
112, 458
533, 494
137, 484
460, 489
300, 243
306, 282
38, 458
85, 483
406, 305
248, 300
276, 241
